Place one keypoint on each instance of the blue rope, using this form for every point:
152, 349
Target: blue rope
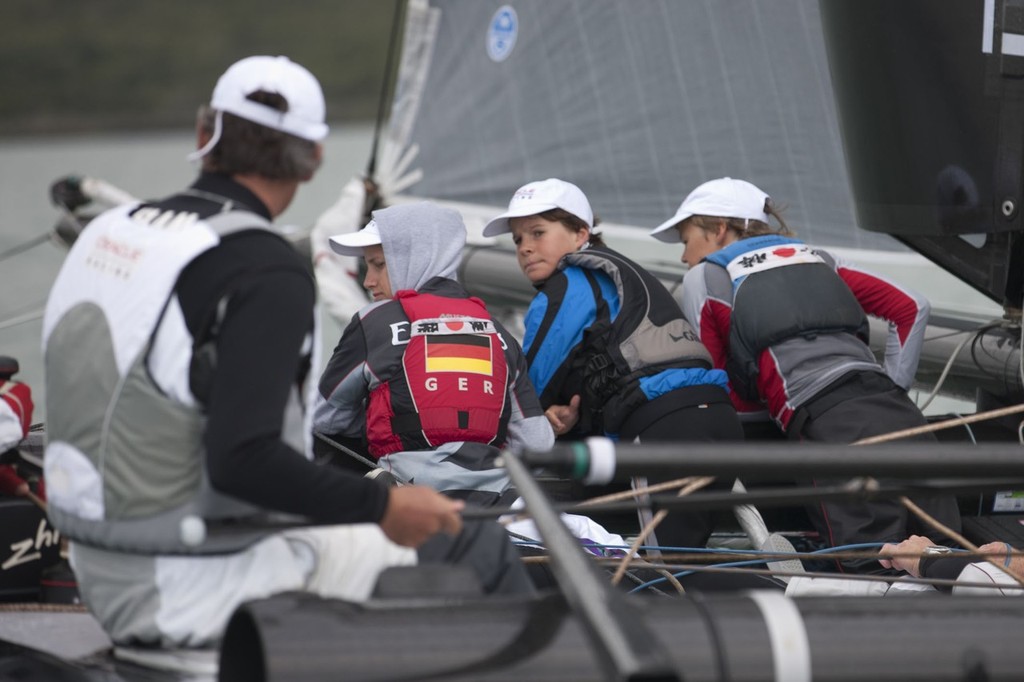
734, 564
714, 550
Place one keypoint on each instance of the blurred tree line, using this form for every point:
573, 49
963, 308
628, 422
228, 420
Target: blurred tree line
83, 65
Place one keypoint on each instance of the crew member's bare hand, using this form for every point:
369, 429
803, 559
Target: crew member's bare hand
915, 544
415, 513
999, 552
564, 417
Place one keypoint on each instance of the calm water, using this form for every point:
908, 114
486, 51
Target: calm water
146, 165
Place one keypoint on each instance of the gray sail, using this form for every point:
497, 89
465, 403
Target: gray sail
635, 102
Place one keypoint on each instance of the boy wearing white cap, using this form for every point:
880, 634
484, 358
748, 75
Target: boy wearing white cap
608, 349
788, 323
177, 450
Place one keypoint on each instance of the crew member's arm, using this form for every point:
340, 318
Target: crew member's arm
905, 310
258, 356
711, 319
528, 428
344, 386
911, 556
554, 327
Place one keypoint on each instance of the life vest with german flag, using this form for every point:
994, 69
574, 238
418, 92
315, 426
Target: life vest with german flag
452, 384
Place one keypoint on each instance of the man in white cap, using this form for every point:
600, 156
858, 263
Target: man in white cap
178, 451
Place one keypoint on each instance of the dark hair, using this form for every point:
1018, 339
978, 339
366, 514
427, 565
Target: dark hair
247, 147
574, 223
743, 227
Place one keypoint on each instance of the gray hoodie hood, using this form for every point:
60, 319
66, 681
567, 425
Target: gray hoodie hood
420, 241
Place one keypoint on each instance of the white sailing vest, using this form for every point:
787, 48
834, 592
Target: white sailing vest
124, 461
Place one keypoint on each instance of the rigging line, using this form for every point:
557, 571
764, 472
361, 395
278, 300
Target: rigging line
974, 330
697, 484
21, 319
967, 428
690, 562
977, 343
684, 555
672, 580
952, 534
858, 489
945, 371
737, 570
26, 245
744, 557
353, 454
26, 306
938, 426
385, 89
637, 492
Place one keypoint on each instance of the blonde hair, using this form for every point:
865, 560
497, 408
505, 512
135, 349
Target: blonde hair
745, 227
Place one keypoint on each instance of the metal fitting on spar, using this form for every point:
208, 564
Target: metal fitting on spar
591, 461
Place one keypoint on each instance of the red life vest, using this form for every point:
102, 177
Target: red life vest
452, 384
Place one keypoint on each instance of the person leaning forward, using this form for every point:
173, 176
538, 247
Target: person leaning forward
788, 321
436, 386
151, 447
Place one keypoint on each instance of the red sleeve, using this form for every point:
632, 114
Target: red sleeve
19, 397
714, 334
881, 298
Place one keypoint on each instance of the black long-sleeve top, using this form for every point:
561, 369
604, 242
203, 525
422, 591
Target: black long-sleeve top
269, 313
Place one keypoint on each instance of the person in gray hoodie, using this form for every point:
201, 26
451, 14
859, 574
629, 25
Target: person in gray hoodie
434, 384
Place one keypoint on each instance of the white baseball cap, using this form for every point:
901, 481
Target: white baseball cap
353, 243
306, 113
540, 196
721, 198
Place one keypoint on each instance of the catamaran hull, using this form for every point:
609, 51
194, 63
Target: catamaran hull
748, 636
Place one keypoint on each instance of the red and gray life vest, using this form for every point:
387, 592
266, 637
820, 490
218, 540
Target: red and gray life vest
451, 385
772, 301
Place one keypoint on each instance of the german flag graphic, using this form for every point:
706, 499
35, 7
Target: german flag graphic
459, 353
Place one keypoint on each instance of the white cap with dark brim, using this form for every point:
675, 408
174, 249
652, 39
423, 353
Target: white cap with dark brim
721, 198
353, 243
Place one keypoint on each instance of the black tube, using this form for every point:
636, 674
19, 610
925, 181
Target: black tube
890, 460
774, 497
930, 637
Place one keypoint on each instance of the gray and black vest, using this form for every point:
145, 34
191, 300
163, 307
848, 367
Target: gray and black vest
772, 301
648, 336
124, 459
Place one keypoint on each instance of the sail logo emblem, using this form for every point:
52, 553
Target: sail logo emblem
501, 34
